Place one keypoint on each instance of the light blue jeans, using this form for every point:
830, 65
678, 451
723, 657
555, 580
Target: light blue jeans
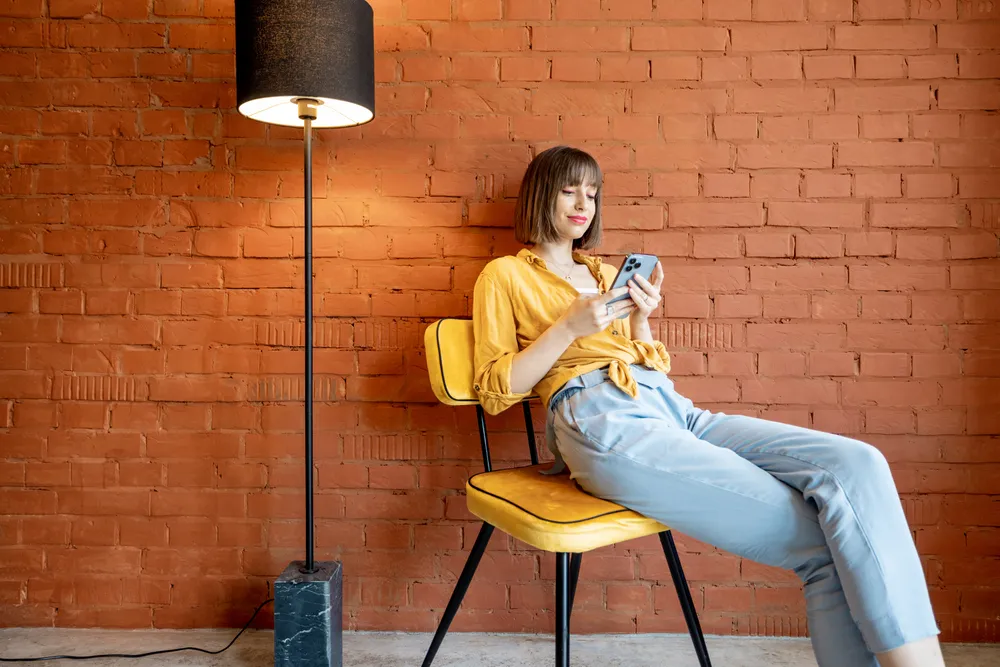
822, 505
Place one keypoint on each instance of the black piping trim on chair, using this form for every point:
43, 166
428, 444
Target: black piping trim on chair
444, 378
527, 511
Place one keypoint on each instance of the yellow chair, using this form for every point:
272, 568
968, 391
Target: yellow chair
549, 512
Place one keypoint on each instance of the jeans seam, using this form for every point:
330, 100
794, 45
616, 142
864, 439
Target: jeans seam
854, 511
850, 503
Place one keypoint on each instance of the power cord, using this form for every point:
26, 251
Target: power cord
143, 655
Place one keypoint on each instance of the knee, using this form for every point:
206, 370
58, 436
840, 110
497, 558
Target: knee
858, 461
862, 457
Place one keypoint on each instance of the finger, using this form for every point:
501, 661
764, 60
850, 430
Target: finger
649, 288
658, 274
644, 287
626, 306
613, 294
640, 297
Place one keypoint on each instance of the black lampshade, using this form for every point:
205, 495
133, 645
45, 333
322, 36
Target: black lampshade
319, 49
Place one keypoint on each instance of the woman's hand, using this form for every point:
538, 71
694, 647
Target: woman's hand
589, 315
646, 295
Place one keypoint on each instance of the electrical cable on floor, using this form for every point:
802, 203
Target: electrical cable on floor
144, 655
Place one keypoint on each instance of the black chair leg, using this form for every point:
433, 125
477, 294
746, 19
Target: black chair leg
562, 610
574, 576
684, 595
461, 586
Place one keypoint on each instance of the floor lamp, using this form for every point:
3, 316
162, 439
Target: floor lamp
307, 63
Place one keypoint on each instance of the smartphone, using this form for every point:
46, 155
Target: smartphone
638, 263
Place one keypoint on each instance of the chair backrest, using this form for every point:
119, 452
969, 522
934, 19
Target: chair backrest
450, 346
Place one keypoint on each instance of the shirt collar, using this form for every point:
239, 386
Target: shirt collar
593, 263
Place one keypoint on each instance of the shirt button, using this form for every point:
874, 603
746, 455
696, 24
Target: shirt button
614, 332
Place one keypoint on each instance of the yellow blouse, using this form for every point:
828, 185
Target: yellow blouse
516, 299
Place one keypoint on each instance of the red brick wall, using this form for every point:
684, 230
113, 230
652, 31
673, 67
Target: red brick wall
819, 177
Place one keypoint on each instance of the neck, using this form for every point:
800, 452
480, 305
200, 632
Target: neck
559, 251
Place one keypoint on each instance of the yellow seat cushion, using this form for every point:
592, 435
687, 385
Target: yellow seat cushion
551, 512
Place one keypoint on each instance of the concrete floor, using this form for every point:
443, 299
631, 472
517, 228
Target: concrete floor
460, 649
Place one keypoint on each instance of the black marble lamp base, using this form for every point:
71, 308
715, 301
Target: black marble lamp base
308, 622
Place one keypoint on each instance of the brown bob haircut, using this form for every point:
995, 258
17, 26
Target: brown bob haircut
551, 171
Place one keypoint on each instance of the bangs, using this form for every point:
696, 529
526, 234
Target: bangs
578, 168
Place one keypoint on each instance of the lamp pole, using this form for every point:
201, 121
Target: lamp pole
307, 112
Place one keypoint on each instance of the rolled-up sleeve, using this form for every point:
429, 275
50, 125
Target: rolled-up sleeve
496, 344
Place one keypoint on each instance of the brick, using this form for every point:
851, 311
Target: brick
884, 37
828, 67
977, 185
727, 10
830, 10
527, 10
920, 247
933, 10
880, 66
779, 10
815, 214
978, 66
684, 127
919, 186
803, 37
725, 68
967, 36
819, 246
675, 68
969, 155
680, 38
735, 126
774, 185
726, 185
684, 155
579, 38
675, 185
944, 126
827, 185
776, 66
883, 98
878, 185
916, 215
835, 126
932, 67
969, 95
784, 128
885, 126
662, 100
715, 215
624, 68
883, 153
881, 9
767, 156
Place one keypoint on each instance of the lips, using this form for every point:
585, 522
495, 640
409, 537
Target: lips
578, 219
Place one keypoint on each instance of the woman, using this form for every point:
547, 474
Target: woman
822, 505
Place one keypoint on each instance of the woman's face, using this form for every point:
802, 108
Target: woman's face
575, 209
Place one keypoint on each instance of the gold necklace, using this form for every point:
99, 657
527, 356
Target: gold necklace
566, 273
